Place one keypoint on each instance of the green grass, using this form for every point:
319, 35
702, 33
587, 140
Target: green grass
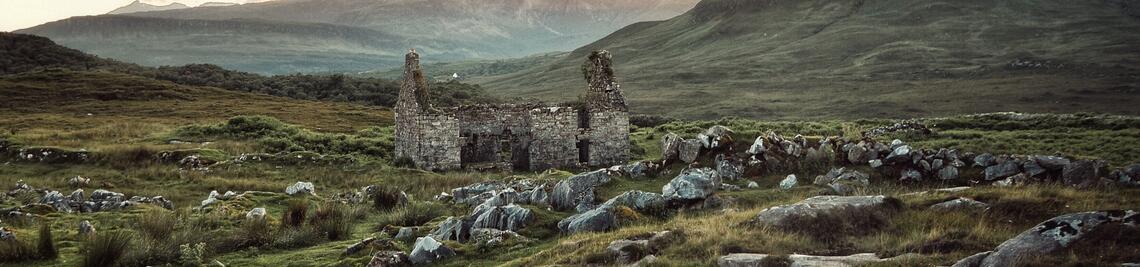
125, 161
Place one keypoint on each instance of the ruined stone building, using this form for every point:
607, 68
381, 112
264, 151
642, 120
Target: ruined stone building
514, 136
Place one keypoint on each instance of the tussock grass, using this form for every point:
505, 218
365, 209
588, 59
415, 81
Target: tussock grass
415, 213
106, 248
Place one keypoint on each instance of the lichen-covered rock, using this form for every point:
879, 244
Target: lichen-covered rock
911, 175
753, 184
640, 201
578, 190
900, 155
985, 160
692, 184
816, 205
671, 146
510, 217
960, 204
56, 200
757, 147
1052, 163
494, 237
628, 251
1083, 173
729, 169
788, 182
1031, 168
600, 219
1049, 237
972, 260
405, 234
535, 196
428, 250
454, 229
690, 150
1006, 168
256, 214
300, 188
948, 173
470, 194
753, 260
717, 137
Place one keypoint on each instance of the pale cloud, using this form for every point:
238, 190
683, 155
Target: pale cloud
20, 14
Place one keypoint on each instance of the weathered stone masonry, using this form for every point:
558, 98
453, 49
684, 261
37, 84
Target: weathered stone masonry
516, 136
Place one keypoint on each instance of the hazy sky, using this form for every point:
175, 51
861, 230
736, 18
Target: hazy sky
20, 14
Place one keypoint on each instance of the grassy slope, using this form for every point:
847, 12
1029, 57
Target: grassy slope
855, 59
50, 109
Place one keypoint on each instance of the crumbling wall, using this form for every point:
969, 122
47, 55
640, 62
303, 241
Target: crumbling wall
609, 137
554, 132
438, 142
528, 136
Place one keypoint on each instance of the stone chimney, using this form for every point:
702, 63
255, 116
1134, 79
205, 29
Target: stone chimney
414, 89
604, 91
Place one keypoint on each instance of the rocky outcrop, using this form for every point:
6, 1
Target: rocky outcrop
814, 206
671, 147
692, 185
600, 219
960, 204
728, 168
453, 228
1049, 237
1084, 173
577, 192
689, 150
641, 201
752, 260
300, 188
428, 250
509, 217
789, 182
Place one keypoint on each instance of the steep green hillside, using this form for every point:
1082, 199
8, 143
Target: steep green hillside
873, 58
282, 37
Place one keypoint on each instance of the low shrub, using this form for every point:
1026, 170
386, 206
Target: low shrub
332, 220
46, 244
16, 251
295, 212
414, 214
106, 248
157, 224
296, 237
387, 198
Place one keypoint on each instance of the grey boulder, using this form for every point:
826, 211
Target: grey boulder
638, 200
816, 205
692, 184
1049, 237
600, 219
578, 190
428, 250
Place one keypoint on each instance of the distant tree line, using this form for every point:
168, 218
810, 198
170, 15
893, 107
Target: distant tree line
23, 53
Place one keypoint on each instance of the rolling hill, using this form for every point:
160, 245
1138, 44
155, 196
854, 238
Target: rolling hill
873, 58
351, 35
138, 6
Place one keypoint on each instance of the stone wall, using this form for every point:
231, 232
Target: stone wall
522, 136
554, 131
438, 142
608, 137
